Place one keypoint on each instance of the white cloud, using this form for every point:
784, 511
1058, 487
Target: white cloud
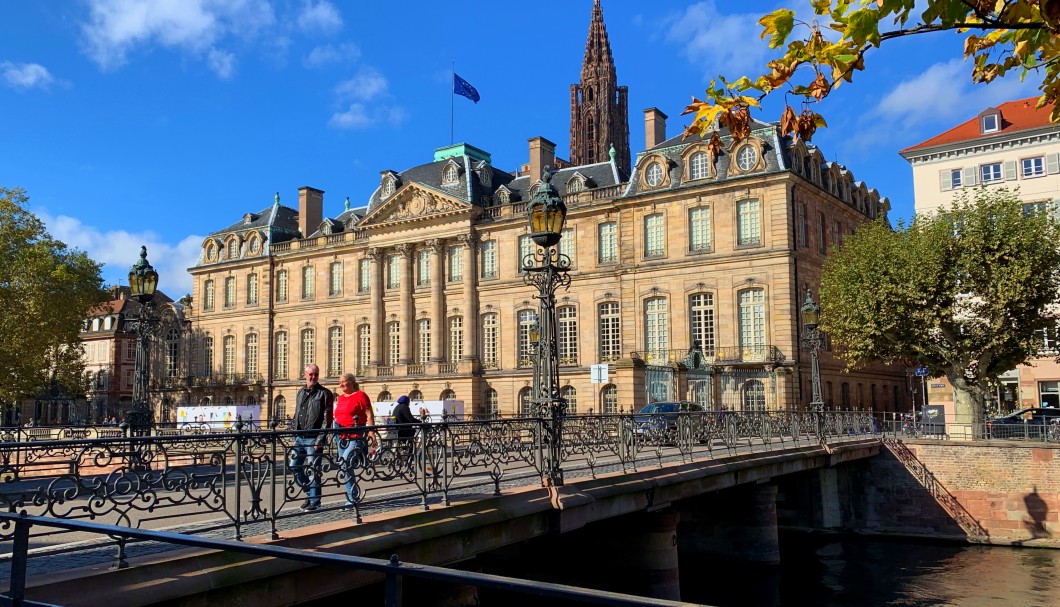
222, 63
321, 17
944, 93
194, 27
332, 53
119, 249
355, 117
726, 44
367, 84
25, 76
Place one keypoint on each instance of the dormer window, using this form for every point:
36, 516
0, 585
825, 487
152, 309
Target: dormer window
575, 185
233, 248
388, 187
990, 123
503, 196
450, 175
485, 175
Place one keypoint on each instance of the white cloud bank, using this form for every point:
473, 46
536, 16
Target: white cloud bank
118, 250
319, 17
365, 99
26, 76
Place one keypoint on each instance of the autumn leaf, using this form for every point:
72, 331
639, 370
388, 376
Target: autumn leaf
777, 25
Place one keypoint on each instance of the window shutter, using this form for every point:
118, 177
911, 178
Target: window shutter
1052, 163
970, 178
1010, 170
947, 181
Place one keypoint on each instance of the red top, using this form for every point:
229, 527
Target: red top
352, 410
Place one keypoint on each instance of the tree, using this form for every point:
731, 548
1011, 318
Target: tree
999, 37
962, 292
46, 292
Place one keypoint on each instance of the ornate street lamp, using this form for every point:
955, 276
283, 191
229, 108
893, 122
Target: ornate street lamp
811, 340
547, 269
142, 282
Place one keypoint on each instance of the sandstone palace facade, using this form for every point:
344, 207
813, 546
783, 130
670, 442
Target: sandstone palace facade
689, 270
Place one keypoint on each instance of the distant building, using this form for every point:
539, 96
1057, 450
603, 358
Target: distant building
1012, 145
689, 271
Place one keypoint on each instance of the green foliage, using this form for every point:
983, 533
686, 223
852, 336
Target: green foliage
46, 291
998, 37
961, 292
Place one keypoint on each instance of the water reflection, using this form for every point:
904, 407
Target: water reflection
871, 573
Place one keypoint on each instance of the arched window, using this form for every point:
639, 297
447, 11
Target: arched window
571, 396
384, 396
415, 395
228, 401
447, 395
609, 398
575, 185
492, 408
451, 175
279, 409
205, 401
754, 396
699, 164
525, 406
388, 186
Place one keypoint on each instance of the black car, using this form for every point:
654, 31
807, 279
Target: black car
660, 418
1034, 423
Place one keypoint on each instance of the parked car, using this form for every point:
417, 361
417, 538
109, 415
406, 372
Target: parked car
660, 418
1034, 423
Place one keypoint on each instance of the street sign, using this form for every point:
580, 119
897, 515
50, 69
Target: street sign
598, 374
921, 372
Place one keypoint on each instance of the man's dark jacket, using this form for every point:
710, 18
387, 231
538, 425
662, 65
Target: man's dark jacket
313, 408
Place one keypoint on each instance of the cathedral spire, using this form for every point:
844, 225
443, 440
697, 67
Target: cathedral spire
599, 107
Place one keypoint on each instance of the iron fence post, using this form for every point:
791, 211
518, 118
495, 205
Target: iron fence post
19, 559
393, 584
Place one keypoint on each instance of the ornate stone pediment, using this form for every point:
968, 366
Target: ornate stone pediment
411, 203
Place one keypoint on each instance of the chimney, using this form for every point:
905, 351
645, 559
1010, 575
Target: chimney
310, 209
654, 127
542, 153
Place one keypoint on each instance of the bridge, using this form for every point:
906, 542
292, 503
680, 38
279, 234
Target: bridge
461, 489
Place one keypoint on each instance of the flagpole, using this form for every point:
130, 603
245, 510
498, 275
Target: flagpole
452, 102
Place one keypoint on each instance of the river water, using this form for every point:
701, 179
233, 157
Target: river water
859, 572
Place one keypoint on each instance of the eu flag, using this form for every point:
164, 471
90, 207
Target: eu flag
464, 89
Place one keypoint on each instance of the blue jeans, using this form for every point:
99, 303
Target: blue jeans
353, 454
305, 463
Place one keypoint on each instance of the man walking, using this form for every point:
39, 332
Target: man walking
313, 411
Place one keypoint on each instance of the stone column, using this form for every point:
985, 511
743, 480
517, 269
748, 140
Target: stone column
470, 242
378, 311
739, 524
408, 310
438, 319
639, 553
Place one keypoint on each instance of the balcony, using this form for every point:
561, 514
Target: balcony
759, 353
223, 379
416, 369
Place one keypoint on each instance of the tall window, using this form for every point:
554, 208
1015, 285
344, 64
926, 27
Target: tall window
252, 290
525, 406
281, 355
233, 249
607, 248
821, 244
250, 356
364, 346
335, 278
701, 319
566, 244
610, 332
279, 409
492, 408
230, 292
609, 397
393, 271
800, 226
207, 356
654, 235
526, 247
423, 268
749, 223
656, 325
308, 280
172, 353
423, 340
754, 396
527, 320
699, 229
281, 286
567, 330
699, 165
229, 346
364, 275
1032, 167
207, 295
308, 347
489, 259
393, 343
489, 340
334, 351
456, 338
456, 263
571, 396
752, 321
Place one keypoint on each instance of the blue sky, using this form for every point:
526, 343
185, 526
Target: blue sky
157, 122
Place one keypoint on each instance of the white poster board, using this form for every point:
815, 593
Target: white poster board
218, 416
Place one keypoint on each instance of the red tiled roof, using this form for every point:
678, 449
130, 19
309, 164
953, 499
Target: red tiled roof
1018, 115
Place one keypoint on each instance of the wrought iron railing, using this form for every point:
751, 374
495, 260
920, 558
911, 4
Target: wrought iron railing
241, 477
758, 353
223, 379
670, 357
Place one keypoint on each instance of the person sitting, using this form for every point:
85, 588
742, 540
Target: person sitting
406, 423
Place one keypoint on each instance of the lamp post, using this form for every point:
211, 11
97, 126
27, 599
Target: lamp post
811, 340
142, 282
547, 269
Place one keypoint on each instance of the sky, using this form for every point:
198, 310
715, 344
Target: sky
157, 122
